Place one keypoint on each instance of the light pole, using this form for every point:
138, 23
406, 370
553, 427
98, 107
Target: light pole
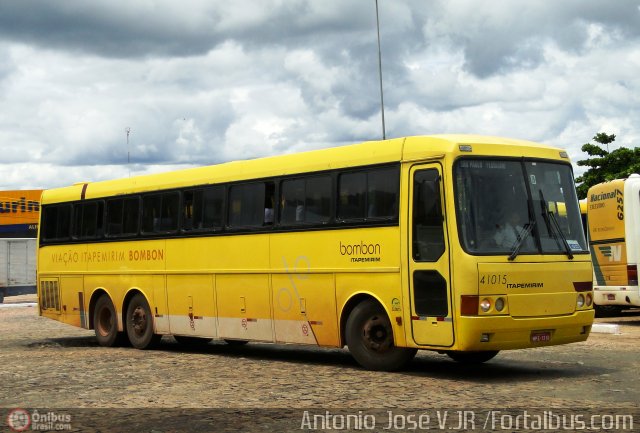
384, 133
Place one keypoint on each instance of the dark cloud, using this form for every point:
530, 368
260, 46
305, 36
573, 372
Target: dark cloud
208, 81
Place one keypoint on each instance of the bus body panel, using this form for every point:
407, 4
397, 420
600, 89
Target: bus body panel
534, 289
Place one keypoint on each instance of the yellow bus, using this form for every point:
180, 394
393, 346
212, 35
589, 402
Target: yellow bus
386, 247
614, 233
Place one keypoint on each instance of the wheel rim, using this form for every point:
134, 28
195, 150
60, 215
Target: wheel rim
139, 321
105, 321
377, 334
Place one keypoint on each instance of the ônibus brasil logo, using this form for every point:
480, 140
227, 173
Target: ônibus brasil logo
19, 420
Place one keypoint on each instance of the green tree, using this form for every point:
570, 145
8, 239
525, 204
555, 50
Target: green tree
604, 165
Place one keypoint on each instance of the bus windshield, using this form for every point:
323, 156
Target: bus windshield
512, 207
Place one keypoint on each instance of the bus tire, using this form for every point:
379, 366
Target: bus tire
187, 340
473, 357
369, 337
105, 323
139, 322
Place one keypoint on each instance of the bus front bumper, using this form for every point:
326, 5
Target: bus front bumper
505, 332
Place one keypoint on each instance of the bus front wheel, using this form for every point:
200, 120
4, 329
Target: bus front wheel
105, 323
370, 339
140, 323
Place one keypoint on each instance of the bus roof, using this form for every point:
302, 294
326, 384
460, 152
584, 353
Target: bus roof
367, 153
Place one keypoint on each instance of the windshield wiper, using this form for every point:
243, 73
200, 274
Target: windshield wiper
522, 236
553, 225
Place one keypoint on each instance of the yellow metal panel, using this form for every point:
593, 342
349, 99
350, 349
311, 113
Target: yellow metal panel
70, 287
246, 253
304, 308
190, 300
244, 307
605, 211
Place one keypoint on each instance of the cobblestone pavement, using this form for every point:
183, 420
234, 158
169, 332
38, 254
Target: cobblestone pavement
46, 364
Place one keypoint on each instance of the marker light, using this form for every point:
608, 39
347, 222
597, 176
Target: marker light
499, 304
589, 299
580, 301
485, 305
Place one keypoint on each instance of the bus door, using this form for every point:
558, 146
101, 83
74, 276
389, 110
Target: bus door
429, 277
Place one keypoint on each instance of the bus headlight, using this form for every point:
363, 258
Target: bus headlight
589, 299
499, 304
580, 301
485, 305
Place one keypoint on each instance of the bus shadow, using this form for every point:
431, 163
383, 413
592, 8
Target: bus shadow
84, 341
627, 318
426, 364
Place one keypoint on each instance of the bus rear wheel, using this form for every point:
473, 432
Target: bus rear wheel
105, 323
473, 357
370, 339
139, 322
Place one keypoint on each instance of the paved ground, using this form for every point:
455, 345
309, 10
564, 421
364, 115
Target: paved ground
49, 365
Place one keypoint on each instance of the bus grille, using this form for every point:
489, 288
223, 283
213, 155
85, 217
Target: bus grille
49, 299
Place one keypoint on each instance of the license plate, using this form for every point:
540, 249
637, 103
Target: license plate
540, 336
611, 297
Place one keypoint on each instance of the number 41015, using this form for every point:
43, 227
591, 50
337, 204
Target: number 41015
493, 279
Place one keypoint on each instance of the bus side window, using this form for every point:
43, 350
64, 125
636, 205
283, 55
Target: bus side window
192, 210
160, 213
369, 195
213, 207
122, 216
56, 223
88, 220
131, 210
306, 200
250, 203
292, 201
382, 193
114, 217
351, 196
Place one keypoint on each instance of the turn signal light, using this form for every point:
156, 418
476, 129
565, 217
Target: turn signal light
485, 305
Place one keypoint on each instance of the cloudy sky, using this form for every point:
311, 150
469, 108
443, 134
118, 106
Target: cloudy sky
206, 81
